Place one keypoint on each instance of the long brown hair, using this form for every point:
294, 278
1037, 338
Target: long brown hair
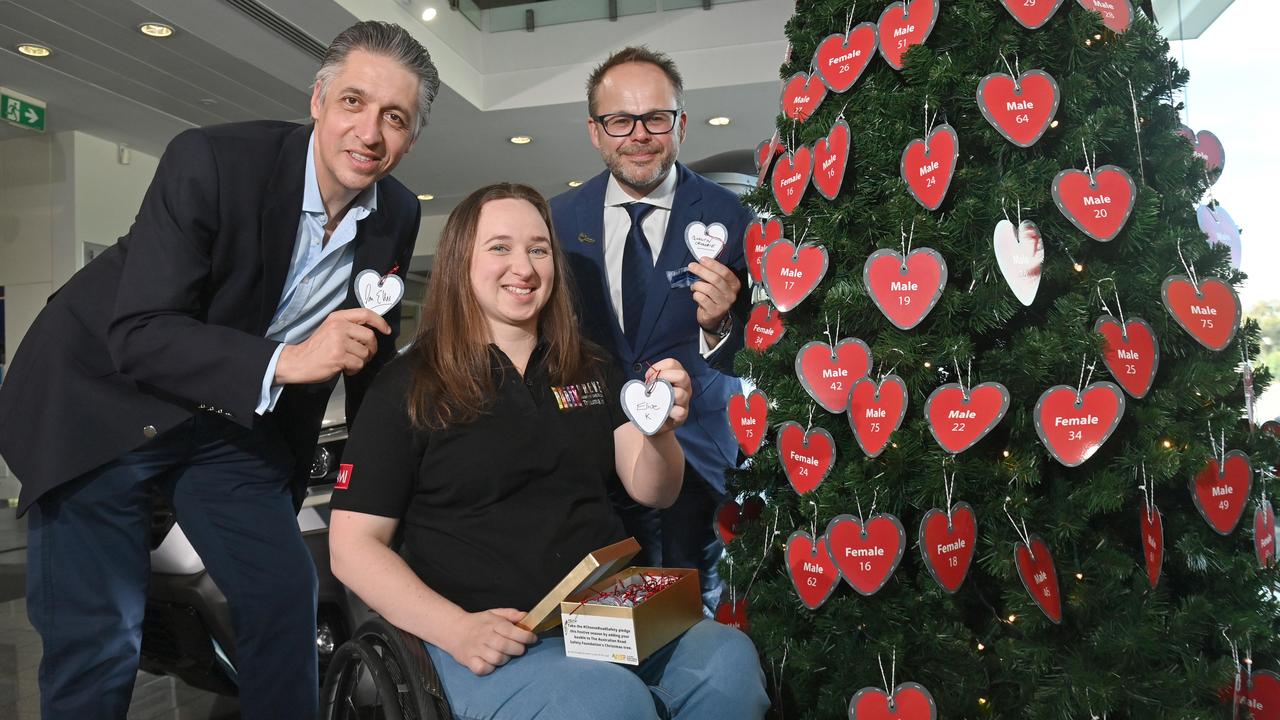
452, 367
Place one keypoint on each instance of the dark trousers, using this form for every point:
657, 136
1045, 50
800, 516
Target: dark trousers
88, 566
681, 536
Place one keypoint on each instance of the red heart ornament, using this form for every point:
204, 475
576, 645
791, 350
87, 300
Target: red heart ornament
947, 544
732, 518
876, 411
806, 457
765, 153
1073, 427
1117, 15
830, 157
958, 420
1264, 534
749, 418
1021, 109
1209, 312
1206, 146
791, 273
1031, 15
1100, 205
810, 568
759, 236
905, 290
1130, 352
1035, 567
1261, 699
1219, 229
733, 614
928, 165
1221, 492
902, 27
828, 374
764, 327
1152, 526
867, 554
910, 701
801, 95
790, 177
841, 59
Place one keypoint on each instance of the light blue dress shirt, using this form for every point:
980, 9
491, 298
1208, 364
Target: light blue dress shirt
319, 273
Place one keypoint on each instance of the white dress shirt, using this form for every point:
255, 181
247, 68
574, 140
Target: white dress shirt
617, 225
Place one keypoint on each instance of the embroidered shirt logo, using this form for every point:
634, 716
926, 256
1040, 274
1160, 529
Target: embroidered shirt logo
581, 395
344, 477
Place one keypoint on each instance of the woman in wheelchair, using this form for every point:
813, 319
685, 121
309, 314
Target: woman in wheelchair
486, 447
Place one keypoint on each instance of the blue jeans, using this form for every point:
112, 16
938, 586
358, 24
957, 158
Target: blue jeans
88, 566
711, 672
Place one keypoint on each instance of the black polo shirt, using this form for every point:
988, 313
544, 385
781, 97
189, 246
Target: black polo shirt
494, 512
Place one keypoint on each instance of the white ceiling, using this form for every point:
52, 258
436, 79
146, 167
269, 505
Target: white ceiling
107, 79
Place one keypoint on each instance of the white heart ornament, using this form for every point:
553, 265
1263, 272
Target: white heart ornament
1020, 255
378, 293
1219, 229
648, 407
705, 241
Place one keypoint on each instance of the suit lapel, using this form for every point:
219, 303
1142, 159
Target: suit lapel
279, 222
685, 208
590, 211
375, 249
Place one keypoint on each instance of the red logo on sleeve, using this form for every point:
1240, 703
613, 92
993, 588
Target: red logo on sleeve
344, 477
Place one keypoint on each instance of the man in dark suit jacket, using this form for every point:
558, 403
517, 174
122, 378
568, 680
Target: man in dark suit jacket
644, 297
195, 358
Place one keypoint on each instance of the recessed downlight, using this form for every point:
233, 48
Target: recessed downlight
33, 50
426, 196
429, 14
719, 121
521, 139
574, 183
155, 29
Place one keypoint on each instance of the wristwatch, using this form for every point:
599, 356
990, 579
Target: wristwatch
725, 327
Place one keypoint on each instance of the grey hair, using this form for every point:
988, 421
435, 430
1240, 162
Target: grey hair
389, 40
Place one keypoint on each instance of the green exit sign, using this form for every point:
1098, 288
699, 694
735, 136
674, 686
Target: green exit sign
21, 110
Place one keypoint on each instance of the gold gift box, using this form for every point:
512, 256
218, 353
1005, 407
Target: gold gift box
613, 633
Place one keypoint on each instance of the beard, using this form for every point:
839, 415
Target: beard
645, 179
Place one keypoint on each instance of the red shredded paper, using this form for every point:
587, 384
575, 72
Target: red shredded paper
630, 591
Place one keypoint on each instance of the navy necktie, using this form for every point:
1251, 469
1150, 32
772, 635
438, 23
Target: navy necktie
637, 269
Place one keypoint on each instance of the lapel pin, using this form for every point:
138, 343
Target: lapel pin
585, 238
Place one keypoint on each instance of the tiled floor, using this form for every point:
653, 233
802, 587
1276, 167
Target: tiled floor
154, 697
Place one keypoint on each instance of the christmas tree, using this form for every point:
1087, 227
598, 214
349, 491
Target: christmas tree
1058, 604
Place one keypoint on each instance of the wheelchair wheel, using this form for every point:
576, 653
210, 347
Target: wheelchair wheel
358, 686
386, 676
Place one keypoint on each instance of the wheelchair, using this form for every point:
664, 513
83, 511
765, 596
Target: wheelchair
382, 673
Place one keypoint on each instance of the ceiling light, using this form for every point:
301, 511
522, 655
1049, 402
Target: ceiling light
719, 121
156, 30
574, 183
33, 50
429, 14
521, 139
426, 196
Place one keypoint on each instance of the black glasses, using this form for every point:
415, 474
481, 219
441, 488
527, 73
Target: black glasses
656, 122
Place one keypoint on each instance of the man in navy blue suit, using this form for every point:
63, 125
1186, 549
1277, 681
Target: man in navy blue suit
644, 295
